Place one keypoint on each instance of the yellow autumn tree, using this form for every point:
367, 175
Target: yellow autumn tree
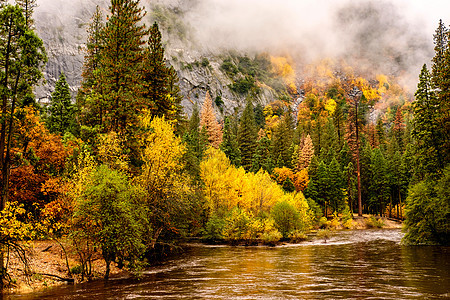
162, 176
217, 175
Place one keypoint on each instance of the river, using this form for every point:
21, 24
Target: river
364, 264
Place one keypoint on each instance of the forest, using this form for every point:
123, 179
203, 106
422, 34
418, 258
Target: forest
121, 170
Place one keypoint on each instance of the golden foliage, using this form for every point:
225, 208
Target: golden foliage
227, 186
282, 66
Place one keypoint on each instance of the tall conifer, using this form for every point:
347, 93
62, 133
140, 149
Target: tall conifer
247, 136
120, 61
209, 122
61, 117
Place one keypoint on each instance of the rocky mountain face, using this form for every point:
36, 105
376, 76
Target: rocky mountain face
62, 26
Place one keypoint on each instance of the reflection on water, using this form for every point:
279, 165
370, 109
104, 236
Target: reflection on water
351, 264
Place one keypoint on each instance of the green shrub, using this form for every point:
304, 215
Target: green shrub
271, 237
286, 217
323, 222
229, 67
244, 85
76, 269
372, 222
214, 228
297, 236
237, 224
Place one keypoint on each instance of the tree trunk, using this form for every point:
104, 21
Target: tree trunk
108, 269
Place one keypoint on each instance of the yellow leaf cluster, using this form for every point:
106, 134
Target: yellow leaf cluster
11, 226
282, 67
110, 151
162, 157
227, 186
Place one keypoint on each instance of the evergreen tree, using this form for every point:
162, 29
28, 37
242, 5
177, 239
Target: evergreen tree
399, 130
322, 185
336, 185
119, 68
426, 131
209, 122
159, 80
259, 116
229, 144
61, 117
247, 136
28, 7
440, 47
380, 131
282, 140
195, 145
353, 135
263, 158
443, 107
90, 103
379, 183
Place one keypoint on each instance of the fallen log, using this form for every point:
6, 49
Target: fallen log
69, 280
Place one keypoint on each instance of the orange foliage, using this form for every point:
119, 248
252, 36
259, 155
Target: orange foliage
42, 159
301, 180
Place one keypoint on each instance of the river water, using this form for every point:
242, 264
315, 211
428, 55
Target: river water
364, 264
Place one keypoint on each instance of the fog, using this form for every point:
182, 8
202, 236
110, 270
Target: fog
392, 37
388, 36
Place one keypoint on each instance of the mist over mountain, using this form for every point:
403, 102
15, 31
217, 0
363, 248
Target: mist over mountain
371, 36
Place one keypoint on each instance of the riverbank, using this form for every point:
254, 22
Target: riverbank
47, 262
48, 257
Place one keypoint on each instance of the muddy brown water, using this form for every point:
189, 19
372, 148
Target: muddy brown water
359, 264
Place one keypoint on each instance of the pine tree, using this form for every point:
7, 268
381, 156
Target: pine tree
336, 185
379, 183
28, 7
282, 140
440, 47
209, 122
353, 129
195, 145
443, 106
61, 118
89, 98
247, 136
230, 145
263, 158
160, 81
426, 131
120, 61
259, 116
399, 130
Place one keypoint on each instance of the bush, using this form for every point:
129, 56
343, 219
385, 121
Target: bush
323, 222
229, 67
286, 217
334, 224
372, 222
76, 269
244, 85
315, 209
297, 236
271, 238
214, 228
237, 224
